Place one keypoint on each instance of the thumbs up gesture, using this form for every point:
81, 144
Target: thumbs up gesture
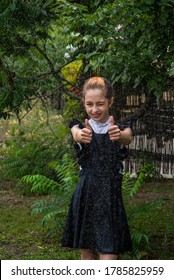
114, 131
86, 133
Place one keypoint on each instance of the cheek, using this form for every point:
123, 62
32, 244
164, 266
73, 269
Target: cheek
87, 109
105, 109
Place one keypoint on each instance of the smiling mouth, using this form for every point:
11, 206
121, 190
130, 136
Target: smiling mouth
95, 116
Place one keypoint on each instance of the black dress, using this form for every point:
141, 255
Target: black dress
96, 219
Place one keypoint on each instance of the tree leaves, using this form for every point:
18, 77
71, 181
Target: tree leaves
129, 42
129, 52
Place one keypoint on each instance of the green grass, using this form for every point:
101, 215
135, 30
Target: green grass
151, 212
21, 234
23, 237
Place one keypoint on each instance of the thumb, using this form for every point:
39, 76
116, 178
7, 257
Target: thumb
87, 125
111, 120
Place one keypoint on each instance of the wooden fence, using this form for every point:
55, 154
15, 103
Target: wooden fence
144, 148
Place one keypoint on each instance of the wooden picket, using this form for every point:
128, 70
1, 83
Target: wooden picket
146, 149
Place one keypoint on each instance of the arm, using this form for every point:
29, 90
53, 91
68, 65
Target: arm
125, 136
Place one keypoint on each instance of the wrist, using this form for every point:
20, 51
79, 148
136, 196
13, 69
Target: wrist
125, 138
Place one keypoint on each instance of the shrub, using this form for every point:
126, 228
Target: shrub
54, 207
32, 147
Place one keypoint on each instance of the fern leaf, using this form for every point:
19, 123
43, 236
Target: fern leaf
42, 207
40, 184
52, 215
130, 185
140, 242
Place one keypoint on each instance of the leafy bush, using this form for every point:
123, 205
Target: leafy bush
73, 109
54, 208
33, 146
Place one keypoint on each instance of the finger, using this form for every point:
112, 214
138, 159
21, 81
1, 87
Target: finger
86, 131
111, 121
115, 137
86, 135
114, 129
87, 125
86, 139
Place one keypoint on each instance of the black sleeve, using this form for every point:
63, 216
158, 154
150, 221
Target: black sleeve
76, 122
77, 146
123, 149
123, 125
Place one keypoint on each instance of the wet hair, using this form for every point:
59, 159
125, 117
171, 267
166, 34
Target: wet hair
98, 83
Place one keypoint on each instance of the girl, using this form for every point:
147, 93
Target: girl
96, 221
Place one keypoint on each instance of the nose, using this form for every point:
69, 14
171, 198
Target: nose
94, 109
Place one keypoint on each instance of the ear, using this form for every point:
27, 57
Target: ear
111, 101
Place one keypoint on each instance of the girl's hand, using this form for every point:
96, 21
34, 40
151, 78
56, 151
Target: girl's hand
114, 131
86, 133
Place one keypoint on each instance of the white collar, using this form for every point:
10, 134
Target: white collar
99, 124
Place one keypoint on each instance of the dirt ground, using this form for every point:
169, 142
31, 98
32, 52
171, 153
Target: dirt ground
163, 189
10, 196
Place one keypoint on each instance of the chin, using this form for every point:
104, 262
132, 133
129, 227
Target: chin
97, 119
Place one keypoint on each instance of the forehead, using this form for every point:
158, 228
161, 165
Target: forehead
94, 95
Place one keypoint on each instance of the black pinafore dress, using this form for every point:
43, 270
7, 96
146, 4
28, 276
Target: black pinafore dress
96, 219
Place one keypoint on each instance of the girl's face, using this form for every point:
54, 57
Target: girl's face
97, 105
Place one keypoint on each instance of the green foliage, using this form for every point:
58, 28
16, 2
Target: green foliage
140, 244
25, 158
67, 173
33, 16
73, 109
40, 184
71, 72
31, 53
60, 190
131, 185
32, 146
129, 42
